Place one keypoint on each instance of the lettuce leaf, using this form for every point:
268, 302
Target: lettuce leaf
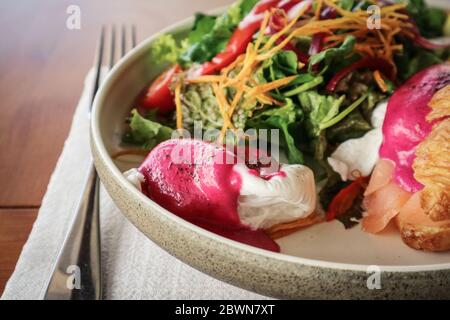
283, 64
319, 109
431, 23
281, 118
203, 25
145, 132
209, 37
352, 127
346, 4
165, 49
415, 59
430, 20
327, 57
210, 34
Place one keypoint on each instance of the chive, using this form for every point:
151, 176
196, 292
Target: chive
344, 113
305, 87
301, 79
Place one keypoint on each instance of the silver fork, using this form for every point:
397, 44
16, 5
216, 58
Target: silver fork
77, 272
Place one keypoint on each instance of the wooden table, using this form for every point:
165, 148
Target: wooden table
42, 67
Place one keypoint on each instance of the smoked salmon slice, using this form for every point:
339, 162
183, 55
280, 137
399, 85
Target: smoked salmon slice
382, 206
383, 198
381, 176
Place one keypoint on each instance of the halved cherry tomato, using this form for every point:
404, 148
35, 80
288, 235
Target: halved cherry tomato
159, 96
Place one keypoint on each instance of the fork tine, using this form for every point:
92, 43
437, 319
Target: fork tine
98, 64
124, 40
133, 36
112, 55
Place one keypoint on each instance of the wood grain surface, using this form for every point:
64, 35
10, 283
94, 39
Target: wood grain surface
43, 65
15, 225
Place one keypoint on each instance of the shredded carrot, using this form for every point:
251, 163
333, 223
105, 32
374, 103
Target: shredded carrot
233, 65
262, 30
318, 9
235, 101
271, 85
393, 7
380, 81
397, 15
204, 79
223, 105
178, 105
248, 65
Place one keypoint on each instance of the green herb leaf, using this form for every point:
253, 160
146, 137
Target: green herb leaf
346, 4
145, 132
343, 114
284, 64
415, 59
314, 82
211, 34
327, 57
320, 109
352, 127
165, 49
281, 118
430, 20
203, 25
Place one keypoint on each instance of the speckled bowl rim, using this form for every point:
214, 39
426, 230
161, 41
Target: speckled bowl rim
97, 143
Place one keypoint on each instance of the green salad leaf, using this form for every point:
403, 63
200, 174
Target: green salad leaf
203, 25
430, 20
165, 49
281, 118
145, 132
282, 65
352, 127
319, 109
415, 59
346, 4
341, 116
210, 34
327, 57
209, 37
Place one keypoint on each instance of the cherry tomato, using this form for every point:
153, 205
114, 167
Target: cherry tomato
159, 96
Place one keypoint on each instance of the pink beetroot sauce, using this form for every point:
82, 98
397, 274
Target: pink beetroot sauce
194, 180
405, 124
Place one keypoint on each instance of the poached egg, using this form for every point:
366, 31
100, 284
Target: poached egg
227, 197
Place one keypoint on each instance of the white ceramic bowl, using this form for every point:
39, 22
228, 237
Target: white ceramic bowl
324, 261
